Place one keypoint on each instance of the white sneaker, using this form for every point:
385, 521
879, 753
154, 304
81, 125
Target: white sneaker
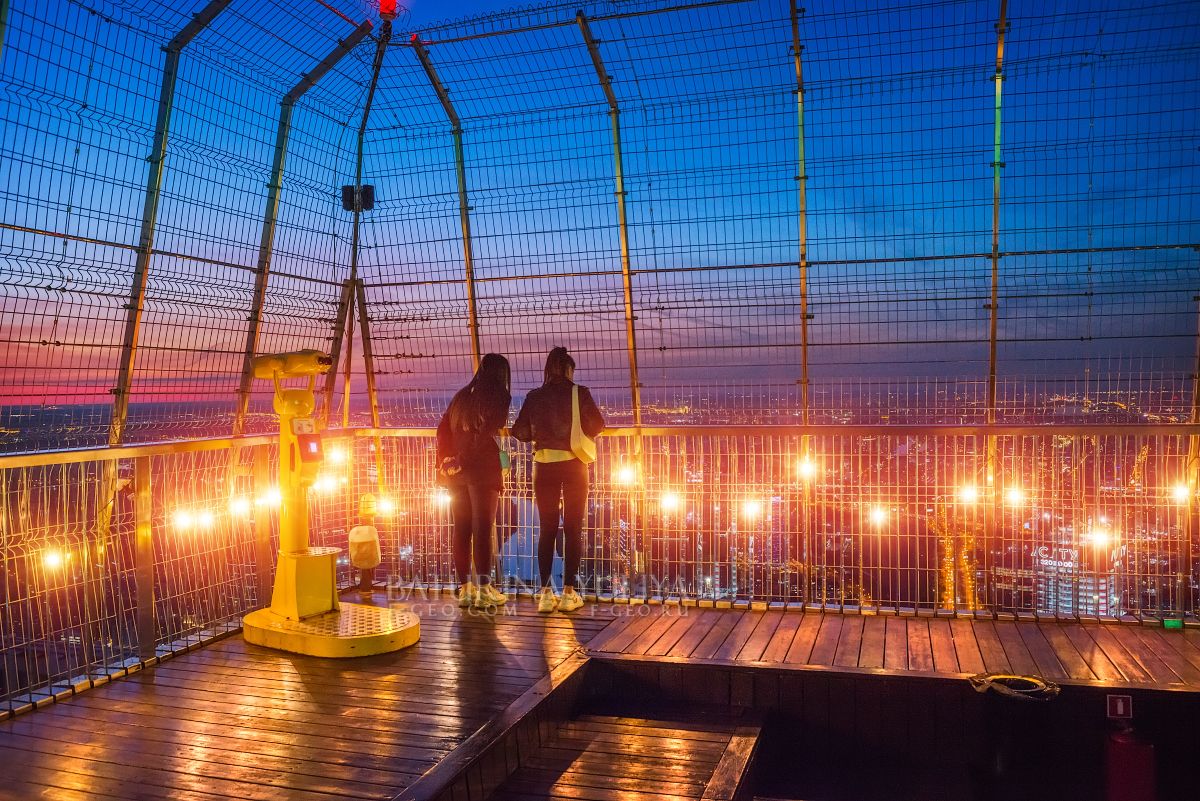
487, 595
467, 594
570, 600
547, 601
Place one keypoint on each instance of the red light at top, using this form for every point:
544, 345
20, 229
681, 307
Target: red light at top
387, 8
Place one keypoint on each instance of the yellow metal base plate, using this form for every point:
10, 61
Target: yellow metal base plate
353, 630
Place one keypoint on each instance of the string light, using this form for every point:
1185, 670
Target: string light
239, 506
183, 520
752, 508
205, 519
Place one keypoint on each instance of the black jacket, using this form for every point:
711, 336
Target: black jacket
476, 450
545, 418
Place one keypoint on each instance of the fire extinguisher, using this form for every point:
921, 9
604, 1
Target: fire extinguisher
1129, 767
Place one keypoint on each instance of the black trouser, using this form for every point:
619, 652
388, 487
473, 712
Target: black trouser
473, 507
567, 481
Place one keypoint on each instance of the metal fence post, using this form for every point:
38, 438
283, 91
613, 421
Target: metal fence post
346, 304
270, 215
141, 270
264, 551
614, 115
464, 210
143, 509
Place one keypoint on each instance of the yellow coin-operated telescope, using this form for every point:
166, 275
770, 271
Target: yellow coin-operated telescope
305, 615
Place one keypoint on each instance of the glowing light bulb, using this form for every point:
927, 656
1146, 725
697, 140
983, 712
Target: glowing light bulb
205, 519
441, 498
1181, 493
1101, 537
670, 501
1015, 496
325, 484
184, 520
752, 508
53, 559
385, 506
969, 494
272, 497
239, 506
806, 468
625, 474
879, 516
337, 455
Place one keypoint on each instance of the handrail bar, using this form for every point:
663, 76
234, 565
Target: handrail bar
101, 454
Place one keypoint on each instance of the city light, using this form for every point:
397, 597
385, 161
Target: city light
625, 474
205, 519
1015, 496
386, 507
53, 559
272, 497
806, 468
879, 515
337, 455
670, 501
239, 506
183, 520
752, 508
1181, 493
969, 494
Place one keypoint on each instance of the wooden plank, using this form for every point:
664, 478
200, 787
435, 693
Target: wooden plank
679, 627
781, 639
1159, 671
825, 648
764, 634
629, 627
715, 637
730, 773
651, 635
1091, 653
966, 648
870, 654
895, 643
698, 628
1117, 655
941, 641
747, 624
849, 642
920, 649
1068, 656
799, 650
1048, 665
995, 660
1154, 641
1014, 647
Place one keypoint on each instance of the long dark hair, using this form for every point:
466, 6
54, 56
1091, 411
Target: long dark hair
489, 387
559, 365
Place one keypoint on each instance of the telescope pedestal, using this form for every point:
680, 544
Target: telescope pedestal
306, 617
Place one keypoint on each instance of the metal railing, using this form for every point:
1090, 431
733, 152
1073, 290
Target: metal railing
1074, 522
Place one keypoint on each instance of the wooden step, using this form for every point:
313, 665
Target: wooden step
597, 757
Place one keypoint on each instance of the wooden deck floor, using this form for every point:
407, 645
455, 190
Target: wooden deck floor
233, 720
1106, 654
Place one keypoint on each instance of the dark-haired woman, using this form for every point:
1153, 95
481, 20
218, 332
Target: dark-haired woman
558, 473
470, 467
